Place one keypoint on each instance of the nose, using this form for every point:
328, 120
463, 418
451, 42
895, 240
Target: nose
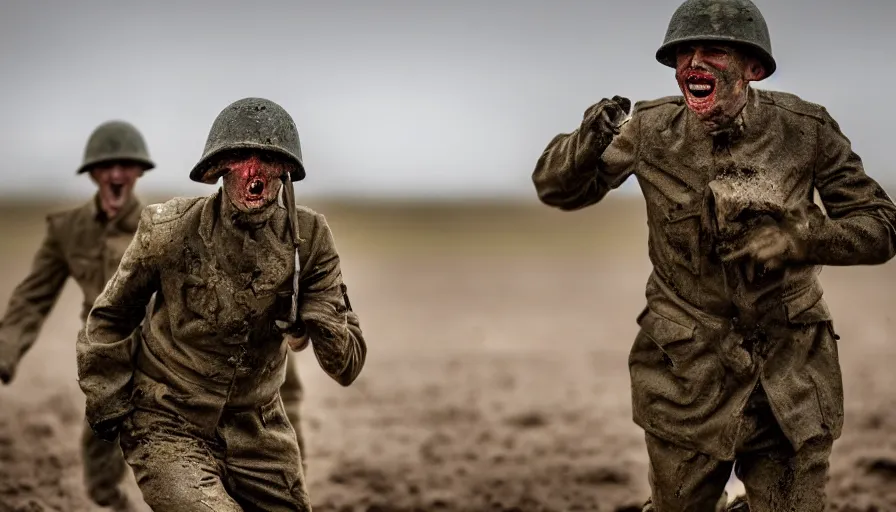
116, 172
697, 57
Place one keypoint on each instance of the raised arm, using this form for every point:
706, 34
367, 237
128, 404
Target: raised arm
578, 169
31, 302
334, 329
107, 345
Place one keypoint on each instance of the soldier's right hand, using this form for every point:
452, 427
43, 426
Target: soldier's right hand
605, 116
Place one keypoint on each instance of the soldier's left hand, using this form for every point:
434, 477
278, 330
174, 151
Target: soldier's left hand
768, 246
296, 335
298, 344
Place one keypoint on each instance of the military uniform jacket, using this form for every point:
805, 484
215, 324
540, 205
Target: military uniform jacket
209, 341
683, 389
79, 243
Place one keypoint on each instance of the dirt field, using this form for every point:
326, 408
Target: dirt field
496, 378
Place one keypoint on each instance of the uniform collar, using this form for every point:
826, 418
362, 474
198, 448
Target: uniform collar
746, 120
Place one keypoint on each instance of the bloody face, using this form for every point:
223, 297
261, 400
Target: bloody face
252, 181
713, 80
116, 182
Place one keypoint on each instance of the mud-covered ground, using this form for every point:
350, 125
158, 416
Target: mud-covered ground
496, 378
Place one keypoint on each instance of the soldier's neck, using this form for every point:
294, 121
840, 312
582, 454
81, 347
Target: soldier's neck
728, 130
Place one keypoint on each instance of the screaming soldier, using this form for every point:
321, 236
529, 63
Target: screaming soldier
85, 243
239, 279
735, 363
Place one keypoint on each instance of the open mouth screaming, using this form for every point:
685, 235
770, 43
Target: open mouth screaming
117, 190
255, 192
700, 88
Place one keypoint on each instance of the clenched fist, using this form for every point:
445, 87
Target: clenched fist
605, 116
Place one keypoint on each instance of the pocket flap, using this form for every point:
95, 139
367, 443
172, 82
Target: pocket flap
665, 331
807, 308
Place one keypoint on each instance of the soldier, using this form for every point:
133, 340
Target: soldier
735, 364
85, 243
196, 399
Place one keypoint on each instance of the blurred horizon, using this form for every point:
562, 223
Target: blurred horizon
396, 99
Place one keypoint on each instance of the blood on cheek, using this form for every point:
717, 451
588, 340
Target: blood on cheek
709, 62
250, 178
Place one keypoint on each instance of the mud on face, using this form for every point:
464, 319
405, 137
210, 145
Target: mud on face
116, 182
252, 178
713, 80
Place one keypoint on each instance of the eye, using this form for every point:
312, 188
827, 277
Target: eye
684, 50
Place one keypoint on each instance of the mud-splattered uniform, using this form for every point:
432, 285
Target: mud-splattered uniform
204, 425
724, 368
84, 245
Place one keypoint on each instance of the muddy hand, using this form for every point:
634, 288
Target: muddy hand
607, 115
296, 335
769, 247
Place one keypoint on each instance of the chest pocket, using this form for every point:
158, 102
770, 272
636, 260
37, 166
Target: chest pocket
682, 229
84, 267
675, 200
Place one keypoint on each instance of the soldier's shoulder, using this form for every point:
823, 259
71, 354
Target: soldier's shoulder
172, 209
304, 211
666, 101
308, 218
794, 104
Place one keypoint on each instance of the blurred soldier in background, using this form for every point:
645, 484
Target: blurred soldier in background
85, 243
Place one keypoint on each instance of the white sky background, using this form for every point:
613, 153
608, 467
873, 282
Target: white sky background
426, 98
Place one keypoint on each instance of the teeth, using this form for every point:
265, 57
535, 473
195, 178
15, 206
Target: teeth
699, 87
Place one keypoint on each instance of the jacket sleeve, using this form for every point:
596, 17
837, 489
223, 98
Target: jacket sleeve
108, 343
334, 328
34, 298
577, 169
860, 225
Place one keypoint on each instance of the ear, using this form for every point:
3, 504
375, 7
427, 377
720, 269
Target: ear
754, 70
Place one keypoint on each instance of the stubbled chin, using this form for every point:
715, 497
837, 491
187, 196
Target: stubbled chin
115, 202
702, 107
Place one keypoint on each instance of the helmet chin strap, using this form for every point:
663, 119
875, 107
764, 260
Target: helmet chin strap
287, 199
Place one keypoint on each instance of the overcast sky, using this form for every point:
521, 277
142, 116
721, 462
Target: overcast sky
400, 98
